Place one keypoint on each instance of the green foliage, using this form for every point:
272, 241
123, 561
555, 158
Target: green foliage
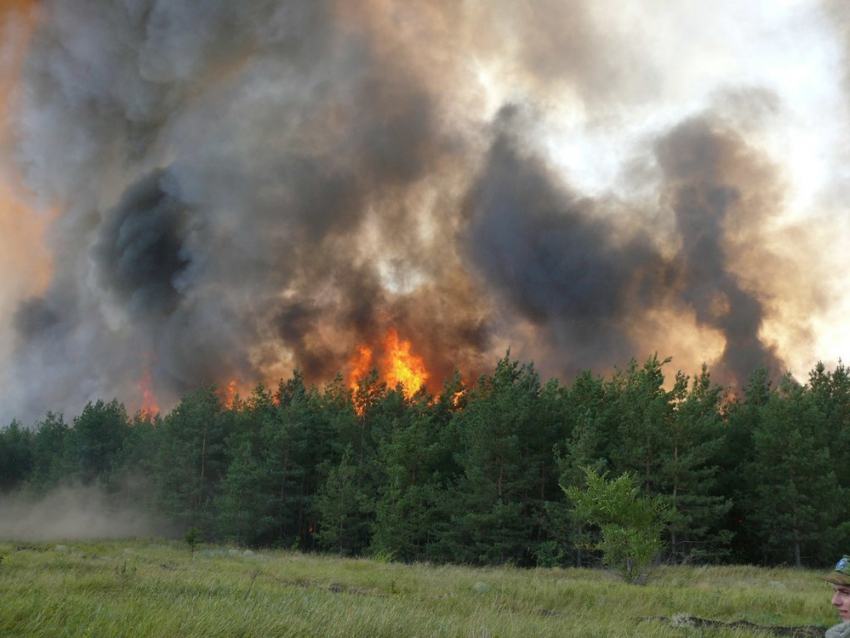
549, 554
406, 506
241, 501
16, 456
688, 476
631, 523
643, 409
797, 493
192, 537
52, 453
343, 508
588, 427
191, 459
471, 475
735, 459
506, 436
97, 438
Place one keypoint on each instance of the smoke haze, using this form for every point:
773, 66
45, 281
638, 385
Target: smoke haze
215, 191
71, 513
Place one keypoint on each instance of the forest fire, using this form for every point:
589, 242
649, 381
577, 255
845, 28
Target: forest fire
449, 179
361, 364
229, 394
398, 365
149, 408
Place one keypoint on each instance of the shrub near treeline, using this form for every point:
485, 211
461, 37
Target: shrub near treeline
474, 475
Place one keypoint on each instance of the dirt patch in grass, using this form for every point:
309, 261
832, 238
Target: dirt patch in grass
692, 621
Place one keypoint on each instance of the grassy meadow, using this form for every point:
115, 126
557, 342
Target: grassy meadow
147, 589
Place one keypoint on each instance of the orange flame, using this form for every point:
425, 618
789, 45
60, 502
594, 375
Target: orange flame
229, 394
457, 397
149, 408
398, 365
401, 366
360, 364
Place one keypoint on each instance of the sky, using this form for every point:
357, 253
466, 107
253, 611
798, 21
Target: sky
199, 193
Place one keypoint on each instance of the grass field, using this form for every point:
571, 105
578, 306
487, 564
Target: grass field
146, 589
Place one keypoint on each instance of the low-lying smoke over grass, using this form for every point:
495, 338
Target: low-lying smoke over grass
145, 589
71, 513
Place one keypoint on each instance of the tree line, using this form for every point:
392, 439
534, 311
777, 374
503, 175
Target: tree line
474, 475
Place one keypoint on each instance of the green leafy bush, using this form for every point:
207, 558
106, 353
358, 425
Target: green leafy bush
630, 523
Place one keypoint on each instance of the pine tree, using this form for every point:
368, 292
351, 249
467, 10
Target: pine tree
53, 460
798, 494
246, 499
583, 448
341, 504
642, 409
192, 460
17, 456
96, 439
242, 512
689, 473
499, 500
407, 500
736, 480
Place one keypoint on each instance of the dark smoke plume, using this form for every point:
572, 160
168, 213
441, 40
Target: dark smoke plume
702, 167
554, 260
244, 189
568, 269
140, 249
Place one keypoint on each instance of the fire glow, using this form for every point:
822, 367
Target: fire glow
229, 394
149, 408
398, 365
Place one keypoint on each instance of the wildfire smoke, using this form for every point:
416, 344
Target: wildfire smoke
245, 189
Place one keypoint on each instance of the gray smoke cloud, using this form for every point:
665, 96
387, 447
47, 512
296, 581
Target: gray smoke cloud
559, 264
567, 268
249, 188
708, 172
140, 251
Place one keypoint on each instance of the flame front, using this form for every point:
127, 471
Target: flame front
401, 366
360, 364
398, 365
229, 394
150, 407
